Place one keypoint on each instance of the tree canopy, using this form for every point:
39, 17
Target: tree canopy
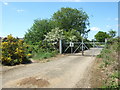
112, 33
100, 36
54, 36
72, 35
38, 30
71, 19
72, 22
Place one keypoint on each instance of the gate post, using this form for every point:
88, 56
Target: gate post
105, 41
82, 48
60, 46
93, 48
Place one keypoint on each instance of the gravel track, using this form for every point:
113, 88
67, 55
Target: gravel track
69, 71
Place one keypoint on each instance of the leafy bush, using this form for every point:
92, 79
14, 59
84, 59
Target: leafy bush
13, 51
53, 37
40, 47
38, 30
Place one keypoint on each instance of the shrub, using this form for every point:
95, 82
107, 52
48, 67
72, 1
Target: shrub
39, 47
13, 51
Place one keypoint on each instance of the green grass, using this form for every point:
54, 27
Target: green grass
115, 75
44, 55
108, 55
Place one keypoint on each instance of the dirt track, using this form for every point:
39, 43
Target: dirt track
69, 71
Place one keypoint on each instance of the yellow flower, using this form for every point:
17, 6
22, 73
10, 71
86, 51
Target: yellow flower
29, 54
9, 55
4, 43
20, 40
21, 47
17, 49
10, 37
16, 52
20, 51
2, 58
9, 59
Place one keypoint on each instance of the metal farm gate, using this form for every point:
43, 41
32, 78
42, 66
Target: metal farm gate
75, 47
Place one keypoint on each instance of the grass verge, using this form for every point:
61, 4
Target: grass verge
44, 55
105, 72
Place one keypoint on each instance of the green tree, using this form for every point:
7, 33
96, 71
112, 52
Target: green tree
100, 36
112, 33
38, 31
72, 35
55, 35
71, 19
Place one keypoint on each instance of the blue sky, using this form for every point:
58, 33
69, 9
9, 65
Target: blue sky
18, 17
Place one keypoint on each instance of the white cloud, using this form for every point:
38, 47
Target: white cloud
95, 29
109, 19
108, 26
113, 26
116, 19
20, 10
5, 3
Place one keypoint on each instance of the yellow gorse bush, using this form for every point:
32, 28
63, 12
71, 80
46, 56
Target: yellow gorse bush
13, 51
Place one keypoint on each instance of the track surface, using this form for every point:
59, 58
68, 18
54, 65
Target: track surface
69, 71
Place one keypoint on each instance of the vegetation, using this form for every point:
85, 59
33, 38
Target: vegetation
71, 19
38, 31
109, 64
44, 55
100, 36
112, 33
42, 39
13, 51
72, 35
67, 24
54, 36
42, 50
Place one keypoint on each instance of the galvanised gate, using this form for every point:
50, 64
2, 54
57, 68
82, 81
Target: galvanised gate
74, 47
